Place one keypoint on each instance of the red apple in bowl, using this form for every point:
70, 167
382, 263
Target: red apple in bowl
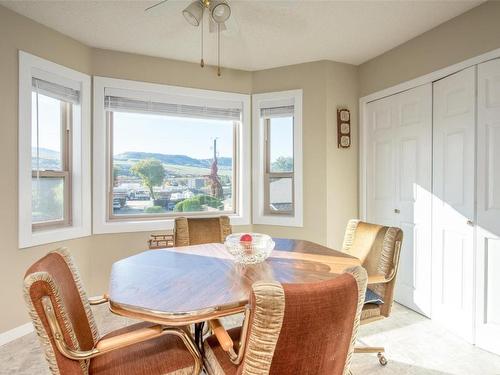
246, 238
246, 242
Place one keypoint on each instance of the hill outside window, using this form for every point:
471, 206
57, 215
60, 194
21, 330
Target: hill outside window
170, 159
168, 154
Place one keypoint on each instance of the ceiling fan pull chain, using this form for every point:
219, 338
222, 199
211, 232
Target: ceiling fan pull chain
218, 50
202, 62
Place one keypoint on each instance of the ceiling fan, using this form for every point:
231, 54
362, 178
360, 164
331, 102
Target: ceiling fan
218, 12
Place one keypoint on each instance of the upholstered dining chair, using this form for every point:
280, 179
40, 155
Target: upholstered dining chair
63, 320
378, 248
196, 231
306, 329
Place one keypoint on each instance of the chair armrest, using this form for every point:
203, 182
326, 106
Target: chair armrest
221, 334
129, 338
377, 279
97, 300
382, 279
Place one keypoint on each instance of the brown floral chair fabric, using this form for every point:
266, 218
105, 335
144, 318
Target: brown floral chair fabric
196, 231
64, 323
306, 329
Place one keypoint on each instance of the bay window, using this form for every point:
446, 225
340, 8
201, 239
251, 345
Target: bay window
277, 150
167, 152
52, 115
54, 152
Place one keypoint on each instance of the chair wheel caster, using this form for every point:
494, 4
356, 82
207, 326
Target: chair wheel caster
382, 359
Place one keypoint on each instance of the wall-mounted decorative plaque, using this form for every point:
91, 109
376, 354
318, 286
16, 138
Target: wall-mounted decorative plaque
343, 128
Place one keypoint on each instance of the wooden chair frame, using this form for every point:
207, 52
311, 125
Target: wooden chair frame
104, 346
225, 340
381, 279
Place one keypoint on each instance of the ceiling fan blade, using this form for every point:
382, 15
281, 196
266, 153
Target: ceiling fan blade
212, 26
154, 6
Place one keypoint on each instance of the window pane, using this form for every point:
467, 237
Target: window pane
281, 194
48, 133
281, 144
48, 199
164, 164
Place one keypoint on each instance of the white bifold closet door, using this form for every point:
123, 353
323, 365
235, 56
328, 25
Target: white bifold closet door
488, 208
453, 201
399, 152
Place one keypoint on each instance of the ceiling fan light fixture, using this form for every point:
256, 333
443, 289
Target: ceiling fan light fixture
220, 11
193, 13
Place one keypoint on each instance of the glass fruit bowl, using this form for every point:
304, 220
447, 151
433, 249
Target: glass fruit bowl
249, 248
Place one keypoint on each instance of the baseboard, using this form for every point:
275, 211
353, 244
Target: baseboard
15, 333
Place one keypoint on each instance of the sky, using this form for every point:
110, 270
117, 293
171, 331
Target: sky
49, 118
171, 135
161, 134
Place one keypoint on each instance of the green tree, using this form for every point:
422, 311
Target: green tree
151, 172
282, 164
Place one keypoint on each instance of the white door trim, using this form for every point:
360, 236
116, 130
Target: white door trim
422, 80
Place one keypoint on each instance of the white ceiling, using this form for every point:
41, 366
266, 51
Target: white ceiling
261, 34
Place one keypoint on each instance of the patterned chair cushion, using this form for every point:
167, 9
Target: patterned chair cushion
165, 355
306, 329
55, 276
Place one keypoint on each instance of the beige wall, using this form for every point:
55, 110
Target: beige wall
17, 32
329, 172
325, 84
342, 164
470, 34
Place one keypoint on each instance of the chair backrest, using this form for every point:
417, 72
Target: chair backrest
196, 231
56, 277
378, 249
306, 329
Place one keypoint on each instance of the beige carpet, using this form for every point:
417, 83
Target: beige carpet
414, 345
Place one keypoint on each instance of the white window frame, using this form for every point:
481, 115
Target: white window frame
101, 224
266, 100
33, 66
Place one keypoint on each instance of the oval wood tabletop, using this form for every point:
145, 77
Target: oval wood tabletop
183, 285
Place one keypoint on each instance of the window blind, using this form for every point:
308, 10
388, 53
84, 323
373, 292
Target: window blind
283, 111
121, 104
55, 90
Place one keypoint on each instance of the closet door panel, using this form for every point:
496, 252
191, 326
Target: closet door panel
413, 150
488, 208
380, 162
399, 184
453, 201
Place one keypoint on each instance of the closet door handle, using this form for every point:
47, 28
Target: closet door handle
397, 211
470, 223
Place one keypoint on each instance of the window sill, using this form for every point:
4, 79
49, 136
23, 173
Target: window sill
47, 236
123, 226
278, 220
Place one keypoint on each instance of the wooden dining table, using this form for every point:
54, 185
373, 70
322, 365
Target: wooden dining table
184, 285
